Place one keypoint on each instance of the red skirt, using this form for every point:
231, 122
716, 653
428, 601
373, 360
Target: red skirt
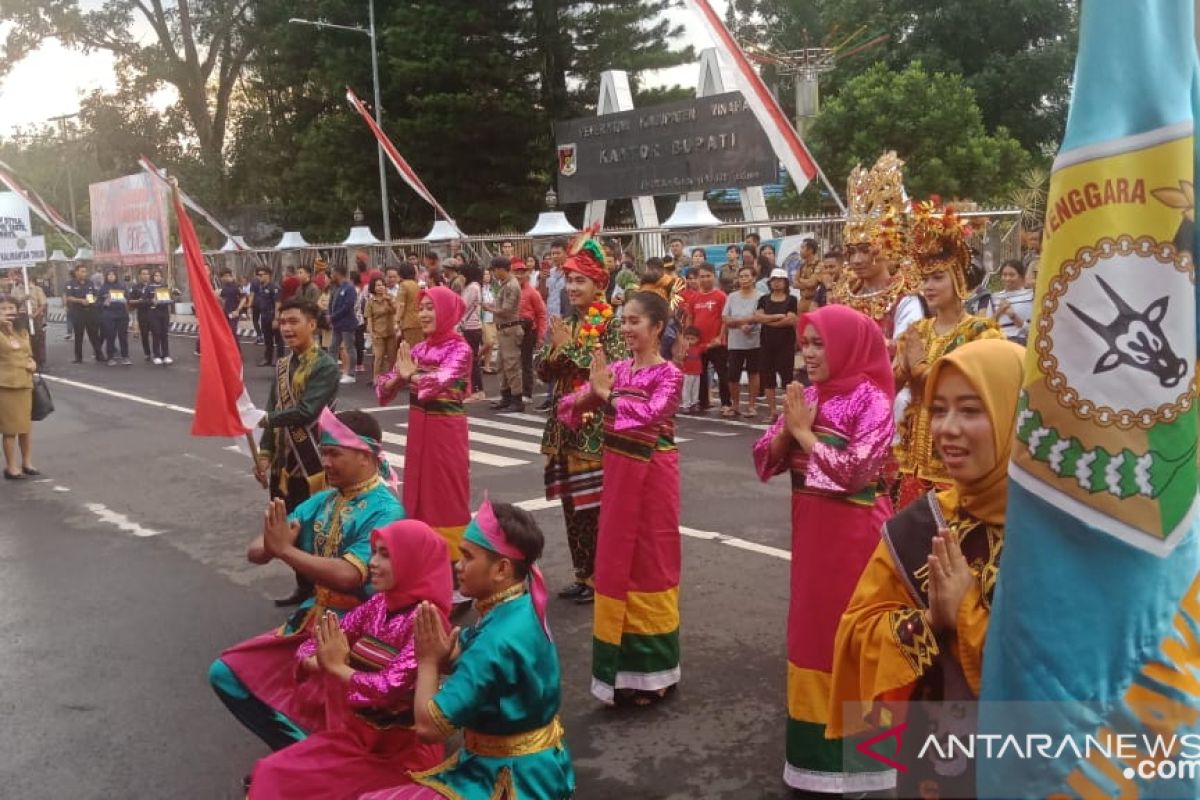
342, 763
437, 473
266, 665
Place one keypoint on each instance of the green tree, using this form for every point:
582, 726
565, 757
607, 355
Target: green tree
200, 47
933, 123
630, 35
1017, 55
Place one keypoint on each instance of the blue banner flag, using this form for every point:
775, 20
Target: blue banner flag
1097, 611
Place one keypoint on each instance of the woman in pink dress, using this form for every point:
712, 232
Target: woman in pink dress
834, 438
436, 457
635, 636
368, 666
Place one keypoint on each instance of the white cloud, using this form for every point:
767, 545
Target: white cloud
693, 34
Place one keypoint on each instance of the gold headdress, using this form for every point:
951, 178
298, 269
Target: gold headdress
668, 287
876, 206
938, 242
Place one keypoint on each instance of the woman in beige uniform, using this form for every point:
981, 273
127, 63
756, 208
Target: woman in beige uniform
16, 392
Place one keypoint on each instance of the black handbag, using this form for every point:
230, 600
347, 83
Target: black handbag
43, 404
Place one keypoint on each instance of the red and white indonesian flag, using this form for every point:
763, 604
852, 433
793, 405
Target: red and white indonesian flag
785, 141
402, 166
44, 210
223, 407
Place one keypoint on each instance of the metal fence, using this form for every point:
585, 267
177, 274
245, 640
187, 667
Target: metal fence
996, 239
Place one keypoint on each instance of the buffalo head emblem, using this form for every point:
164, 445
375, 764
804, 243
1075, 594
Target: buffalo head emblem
1136, 339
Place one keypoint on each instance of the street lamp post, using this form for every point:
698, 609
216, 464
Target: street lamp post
370, 33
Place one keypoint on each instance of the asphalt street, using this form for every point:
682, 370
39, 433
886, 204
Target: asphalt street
125, 575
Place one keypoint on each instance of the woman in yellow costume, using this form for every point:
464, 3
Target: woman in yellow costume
915, 627
938, 246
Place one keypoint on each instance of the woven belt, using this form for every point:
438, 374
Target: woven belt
502, 326
518, 744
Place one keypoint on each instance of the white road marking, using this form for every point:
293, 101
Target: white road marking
475, 455
733, 423
541, 504
121, 521
381, 409
120, 395
719, 433
498, 441
538, 504
542, 420
61, 489
504, 426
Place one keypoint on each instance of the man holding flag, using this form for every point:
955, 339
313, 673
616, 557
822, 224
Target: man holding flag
306, 383
1094, 628
288, 463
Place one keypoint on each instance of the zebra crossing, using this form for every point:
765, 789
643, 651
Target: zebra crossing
514, 440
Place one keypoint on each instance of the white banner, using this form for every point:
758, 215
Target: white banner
22, 251
14, 216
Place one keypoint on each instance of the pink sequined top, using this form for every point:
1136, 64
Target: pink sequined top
392, 686
640, 398
854, 433
443, 371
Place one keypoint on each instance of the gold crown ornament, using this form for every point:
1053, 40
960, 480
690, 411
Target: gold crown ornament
938, 242
875, 212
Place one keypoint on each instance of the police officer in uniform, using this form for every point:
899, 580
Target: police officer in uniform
83, 312
266, 303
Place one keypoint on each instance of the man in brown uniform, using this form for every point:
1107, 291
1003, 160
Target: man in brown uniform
510, 333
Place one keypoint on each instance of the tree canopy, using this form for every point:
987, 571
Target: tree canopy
260, 131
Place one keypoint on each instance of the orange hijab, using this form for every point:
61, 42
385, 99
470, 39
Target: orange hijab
995, 369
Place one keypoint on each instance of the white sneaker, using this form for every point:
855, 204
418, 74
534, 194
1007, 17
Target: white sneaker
158, 362
168, 360
346, 379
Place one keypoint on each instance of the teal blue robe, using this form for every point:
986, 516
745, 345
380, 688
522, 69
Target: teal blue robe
505, 682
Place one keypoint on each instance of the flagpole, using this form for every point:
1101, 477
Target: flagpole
836, 198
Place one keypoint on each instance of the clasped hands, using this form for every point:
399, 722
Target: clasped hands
278, 534
950, 578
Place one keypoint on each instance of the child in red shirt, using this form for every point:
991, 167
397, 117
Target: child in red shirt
692, 367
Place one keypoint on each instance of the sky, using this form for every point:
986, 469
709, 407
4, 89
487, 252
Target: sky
50, 81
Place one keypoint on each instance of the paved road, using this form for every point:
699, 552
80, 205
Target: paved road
124, 575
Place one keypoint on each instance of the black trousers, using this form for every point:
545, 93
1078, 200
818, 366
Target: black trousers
718, 357
272, 341
474, 338
529, 343
143, 318
360, 343
38, 343
256, 320
158, 323
89, 321
116, 336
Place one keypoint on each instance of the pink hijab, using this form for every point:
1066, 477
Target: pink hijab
854, 349
420, 564
449, 308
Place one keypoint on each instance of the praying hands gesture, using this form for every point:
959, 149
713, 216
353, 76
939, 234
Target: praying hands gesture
560, 333
600, 377
799, 417
950, 578
913, 349
278, 534
333, 649
435, 647
405, 366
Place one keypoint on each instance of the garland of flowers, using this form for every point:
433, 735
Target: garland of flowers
593, 324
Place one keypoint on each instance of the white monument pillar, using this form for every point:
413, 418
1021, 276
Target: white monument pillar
710, 82
615, 95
